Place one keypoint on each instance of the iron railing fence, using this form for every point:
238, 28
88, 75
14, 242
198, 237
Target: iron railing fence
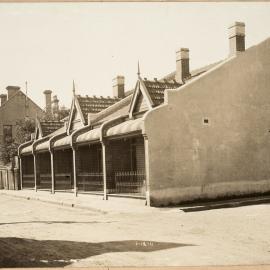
130, 182
63, 181
28, 181
45, 181
90, 181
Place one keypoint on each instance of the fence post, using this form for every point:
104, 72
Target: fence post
7, 180
16, 178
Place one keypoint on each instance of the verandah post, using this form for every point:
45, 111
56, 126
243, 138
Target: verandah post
74, 170
146, 151
104, 167
21, 173
35, 170
52, 172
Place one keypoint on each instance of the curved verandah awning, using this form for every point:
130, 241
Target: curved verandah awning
61, 143
43, 146
126, 128
89, 136
129, 127
27, 150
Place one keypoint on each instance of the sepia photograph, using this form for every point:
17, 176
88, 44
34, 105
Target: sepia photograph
135, 134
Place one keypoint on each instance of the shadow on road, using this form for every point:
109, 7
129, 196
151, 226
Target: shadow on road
224, 204
21, 252
55, 222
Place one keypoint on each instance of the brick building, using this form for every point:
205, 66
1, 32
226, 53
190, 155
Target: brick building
15, 105
189, 135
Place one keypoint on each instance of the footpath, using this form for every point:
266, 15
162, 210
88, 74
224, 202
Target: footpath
83, 201
96, 203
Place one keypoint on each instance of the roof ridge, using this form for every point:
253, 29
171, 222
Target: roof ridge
98, 97
20, 91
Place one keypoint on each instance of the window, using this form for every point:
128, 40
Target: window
7, 133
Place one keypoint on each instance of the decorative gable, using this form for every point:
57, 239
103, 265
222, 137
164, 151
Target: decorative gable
141, 100
76, 119
141, 104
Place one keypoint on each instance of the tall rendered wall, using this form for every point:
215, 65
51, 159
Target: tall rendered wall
228, 156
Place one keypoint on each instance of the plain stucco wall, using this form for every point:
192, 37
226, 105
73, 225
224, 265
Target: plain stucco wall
231, 156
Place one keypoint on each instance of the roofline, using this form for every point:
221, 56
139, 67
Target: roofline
20, 91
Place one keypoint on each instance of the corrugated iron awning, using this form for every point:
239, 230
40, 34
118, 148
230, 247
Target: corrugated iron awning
27, 150
43, 146
91, 135
64, 142
126, 127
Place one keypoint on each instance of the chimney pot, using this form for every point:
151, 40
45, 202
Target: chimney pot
48, 102
55, 106
119, 87
12, 90
182, 65
237, 38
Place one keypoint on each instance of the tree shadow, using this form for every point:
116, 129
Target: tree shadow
21, 252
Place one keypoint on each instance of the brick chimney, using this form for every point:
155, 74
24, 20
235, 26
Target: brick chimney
182, 65
55, 106
3, 98
237, 38
12, 90
48, 102
119, 87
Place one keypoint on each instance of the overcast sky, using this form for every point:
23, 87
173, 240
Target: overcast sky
51, 44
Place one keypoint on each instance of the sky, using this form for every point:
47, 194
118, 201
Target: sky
50, 44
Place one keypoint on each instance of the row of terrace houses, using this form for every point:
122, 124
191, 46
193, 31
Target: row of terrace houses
191, 135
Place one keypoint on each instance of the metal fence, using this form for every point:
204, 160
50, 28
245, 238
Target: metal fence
45, 181
28, 181
130, 182
63, 181
90, 181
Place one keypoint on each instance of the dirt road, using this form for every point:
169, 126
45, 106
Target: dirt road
35, 234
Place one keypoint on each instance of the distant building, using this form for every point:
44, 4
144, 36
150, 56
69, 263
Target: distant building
15, 106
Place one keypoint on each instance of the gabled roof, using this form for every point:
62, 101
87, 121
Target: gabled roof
156, 89
19, 92
119, 108
151, 92
48, 127
94, 104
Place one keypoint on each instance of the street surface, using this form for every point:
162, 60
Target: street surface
37, 234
